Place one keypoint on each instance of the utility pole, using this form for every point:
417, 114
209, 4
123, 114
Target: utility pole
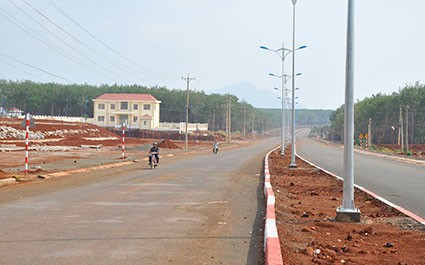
187, 79
252, 126
407, 128
244, 117
213, 125
369, 134
229, 122
412, 127
401, 130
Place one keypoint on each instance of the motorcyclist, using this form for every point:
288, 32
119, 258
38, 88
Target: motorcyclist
154, 151
215, 147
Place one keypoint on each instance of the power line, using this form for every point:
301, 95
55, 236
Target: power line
152, 71
50, 44
32, 35
82, 43
37, 68
17, 68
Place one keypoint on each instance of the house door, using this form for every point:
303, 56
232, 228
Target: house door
123, 119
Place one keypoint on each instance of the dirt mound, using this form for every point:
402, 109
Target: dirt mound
3, 174
167, 143
53, 132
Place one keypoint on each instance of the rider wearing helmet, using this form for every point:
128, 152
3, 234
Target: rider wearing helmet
154, 151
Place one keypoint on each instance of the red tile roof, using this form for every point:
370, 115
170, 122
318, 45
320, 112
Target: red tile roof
140, 97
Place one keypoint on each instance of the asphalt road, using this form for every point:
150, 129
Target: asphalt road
399, 182
204, 209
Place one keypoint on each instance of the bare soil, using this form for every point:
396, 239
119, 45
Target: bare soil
306, 202
56, 146
306, 198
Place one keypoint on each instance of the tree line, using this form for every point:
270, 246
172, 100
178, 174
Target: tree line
77, 100
387, 115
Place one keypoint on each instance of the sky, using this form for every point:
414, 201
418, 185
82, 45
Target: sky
156, 43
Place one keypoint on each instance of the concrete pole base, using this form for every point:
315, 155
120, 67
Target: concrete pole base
347, 216
292, 165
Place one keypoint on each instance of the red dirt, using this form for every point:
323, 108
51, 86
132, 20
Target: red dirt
306, 202
167, 143
2, 174
52, 133
68, 134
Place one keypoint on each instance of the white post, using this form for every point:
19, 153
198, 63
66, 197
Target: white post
293, 163
123, 141
347, 212
282, 150
27, 131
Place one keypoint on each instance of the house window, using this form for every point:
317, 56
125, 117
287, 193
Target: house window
100, 118
136, 106
112, 118
146, 106
101, 106
145, 123
124, 105
135, 119
112, 106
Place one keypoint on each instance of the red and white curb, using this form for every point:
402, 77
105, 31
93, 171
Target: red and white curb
272, 250
399, 208
273, 254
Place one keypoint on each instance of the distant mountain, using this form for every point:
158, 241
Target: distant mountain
253, 95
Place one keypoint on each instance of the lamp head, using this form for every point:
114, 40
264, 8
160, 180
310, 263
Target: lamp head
264, 48
302, 47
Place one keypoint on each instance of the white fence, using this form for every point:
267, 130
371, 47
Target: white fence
181, 126
163, 126
57, 118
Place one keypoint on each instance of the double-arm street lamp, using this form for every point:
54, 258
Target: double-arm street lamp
286, 79
282, 53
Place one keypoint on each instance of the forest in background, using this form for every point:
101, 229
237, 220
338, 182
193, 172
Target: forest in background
388, 115
77, 100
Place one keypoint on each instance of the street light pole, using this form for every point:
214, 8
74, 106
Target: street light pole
283, 52
347, 211
293, 164
282, 148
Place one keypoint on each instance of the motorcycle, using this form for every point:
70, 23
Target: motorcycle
154, 161
215, 150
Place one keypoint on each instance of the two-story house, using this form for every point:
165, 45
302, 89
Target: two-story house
136, 110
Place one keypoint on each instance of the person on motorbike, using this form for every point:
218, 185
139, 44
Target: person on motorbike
154, 151
215, 147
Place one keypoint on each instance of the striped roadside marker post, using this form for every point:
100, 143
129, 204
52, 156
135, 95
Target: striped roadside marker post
123, 142
27, 131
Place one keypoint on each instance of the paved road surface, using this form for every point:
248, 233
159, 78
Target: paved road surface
398, 182
205, 210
